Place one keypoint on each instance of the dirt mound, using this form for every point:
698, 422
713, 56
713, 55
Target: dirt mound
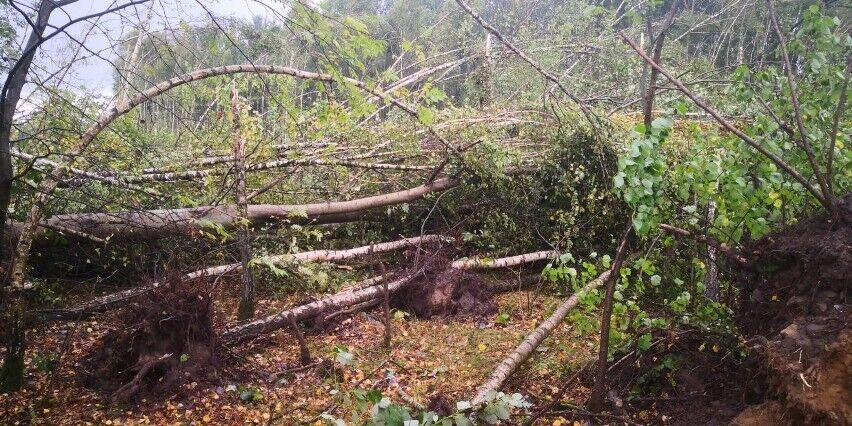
811, 376
768, 413
165, 340
682, 378
795, 306
443, 291
805, 269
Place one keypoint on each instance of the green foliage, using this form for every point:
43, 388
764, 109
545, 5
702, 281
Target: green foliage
640, 173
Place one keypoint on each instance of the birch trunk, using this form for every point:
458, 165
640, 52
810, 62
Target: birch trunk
159, 223
532, 341
246, 308
108, 302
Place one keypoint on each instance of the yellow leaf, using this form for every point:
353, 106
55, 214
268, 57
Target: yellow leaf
482, 347
716, 348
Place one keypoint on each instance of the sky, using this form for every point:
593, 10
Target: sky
94, 73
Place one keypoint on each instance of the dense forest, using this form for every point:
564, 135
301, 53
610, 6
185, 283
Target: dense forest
425, 212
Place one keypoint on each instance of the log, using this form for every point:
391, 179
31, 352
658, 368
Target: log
526, 348
114, 300
345, 299
274, 322
110, 301
197, 175
162, 222
506, 262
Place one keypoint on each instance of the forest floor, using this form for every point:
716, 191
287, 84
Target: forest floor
438, 361
795, 322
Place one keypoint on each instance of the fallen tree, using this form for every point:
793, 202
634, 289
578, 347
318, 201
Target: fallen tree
157, 223
348, 298
526, 348
110, 301
506, 262
196, 175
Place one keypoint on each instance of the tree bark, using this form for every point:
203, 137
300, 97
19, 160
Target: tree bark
711, 280
657, 52
13, 305
158, 223
246, 308
11, 96
533, 340
108, 302
485, 263
599, 390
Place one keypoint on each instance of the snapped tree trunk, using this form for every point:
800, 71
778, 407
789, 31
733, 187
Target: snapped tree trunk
246, 308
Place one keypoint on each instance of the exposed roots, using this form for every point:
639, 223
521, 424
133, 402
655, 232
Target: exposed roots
443, 291
795, 304
165, 340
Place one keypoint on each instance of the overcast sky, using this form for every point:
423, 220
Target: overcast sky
95, 74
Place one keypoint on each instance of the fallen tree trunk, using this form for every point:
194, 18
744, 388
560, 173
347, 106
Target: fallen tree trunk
506, 262
345, 299
337, 301
526, 348
196, 175
157, 223
110, 301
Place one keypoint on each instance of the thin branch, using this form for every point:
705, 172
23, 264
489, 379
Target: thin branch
488, 27
835, 126
797, 111
778, 161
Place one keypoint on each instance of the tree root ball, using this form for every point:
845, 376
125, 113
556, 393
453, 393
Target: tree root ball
443, 291
164, 341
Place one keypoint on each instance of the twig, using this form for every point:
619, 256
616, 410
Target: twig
724, 248
556, 397
386, 306
298, 369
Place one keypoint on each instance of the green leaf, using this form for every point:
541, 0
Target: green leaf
425, 115
644, 342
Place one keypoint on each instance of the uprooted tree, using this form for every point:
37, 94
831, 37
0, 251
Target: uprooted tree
371, 161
